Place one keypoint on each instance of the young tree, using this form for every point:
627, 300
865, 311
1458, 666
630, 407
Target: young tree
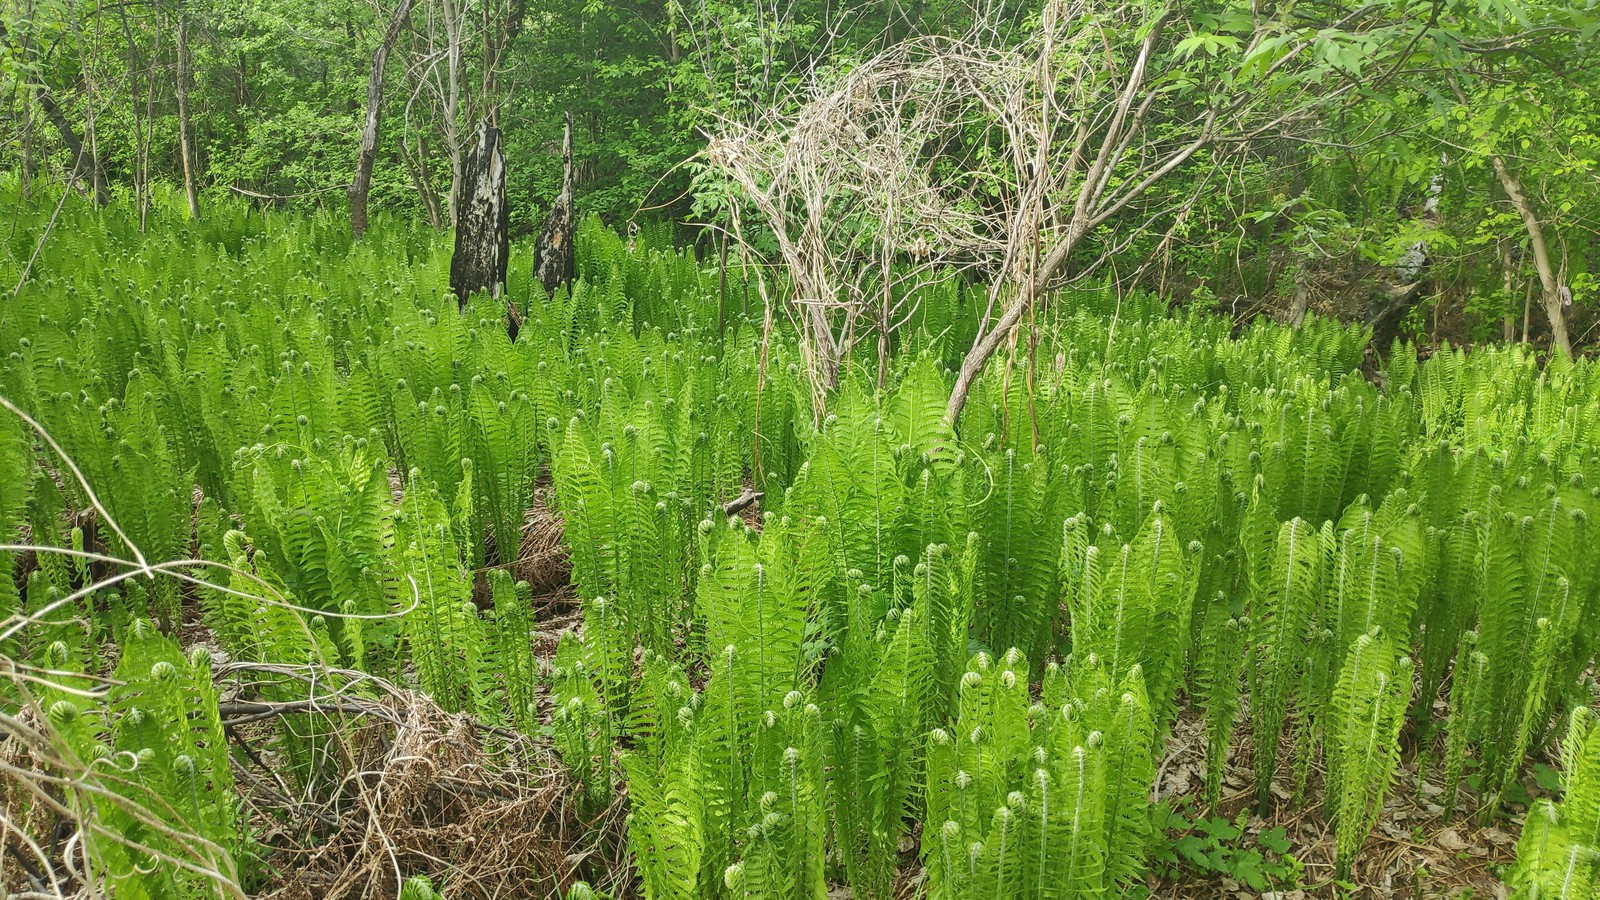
1033, 165
368, 152
1524, 99
191, 188
30, 65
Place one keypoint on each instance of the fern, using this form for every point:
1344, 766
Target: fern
448, 640
1017, 566
17, 471
582, 724
1284, 597
664, 829
513, 635
164, 717
1558, 855
1219, 665
247, 619
1038, 799
1131, 605
418, 887
1369, 704
1467, 712
1112, 504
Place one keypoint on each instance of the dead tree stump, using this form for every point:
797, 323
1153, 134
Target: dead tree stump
483, 246
554, 262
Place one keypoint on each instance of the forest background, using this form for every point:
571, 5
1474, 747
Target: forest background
1449, 159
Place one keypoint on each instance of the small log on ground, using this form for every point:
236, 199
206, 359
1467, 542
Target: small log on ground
483, 247
744, 501
1388, 310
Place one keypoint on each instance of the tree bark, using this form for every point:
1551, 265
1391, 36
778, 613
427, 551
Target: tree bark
84, 161
984, 347
141, 126
1302, 298
418, 169
190, 188
1549, 286
1389, 310
29, 163
27, 150
554, 262
1509, 322
452, 102
368, 153
482, 240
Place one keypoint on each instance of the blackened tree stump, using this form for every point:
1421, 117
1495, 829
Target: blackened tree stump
483, 246
554, 262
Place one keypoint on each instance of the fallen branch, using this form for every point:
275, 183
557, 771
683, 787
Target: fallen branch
744, 501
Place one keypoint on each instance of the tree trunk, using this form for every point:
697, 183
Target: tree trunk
482, 242
368, 153
148, 139
983, 348
1550, 287
418, 169
190, 189
1388, 312
1302, 297
554, 262
84, 161
141, 131
1527, 310
452, 104
28, 162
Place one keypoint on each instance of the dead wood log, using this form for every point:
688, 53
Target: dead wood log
744, 501
1388, 310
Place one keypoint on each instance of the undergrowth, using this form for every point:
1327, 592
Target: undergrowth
947, 651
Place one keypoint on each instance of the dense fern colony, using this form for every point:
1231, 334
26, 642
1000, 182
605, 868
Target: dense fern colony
955, 651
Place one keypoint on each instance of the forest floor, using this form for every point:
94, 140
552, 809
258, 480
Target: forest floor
1414, 850
430, 797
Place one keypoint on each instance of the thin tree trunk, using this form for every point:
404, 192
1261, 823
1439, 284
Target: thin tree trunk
368, 153
91, 94
149, 113
28, 162
418, 170
84, 162
1087, 212
1507, 320
722, 287
1302, 298
1527, 310
190, 189
141, 145
452, 105
1550, 286
983, 348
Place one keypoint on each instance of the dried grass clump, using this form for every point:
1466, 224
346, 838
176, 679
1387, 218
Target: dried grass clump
481, 811
543, 562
